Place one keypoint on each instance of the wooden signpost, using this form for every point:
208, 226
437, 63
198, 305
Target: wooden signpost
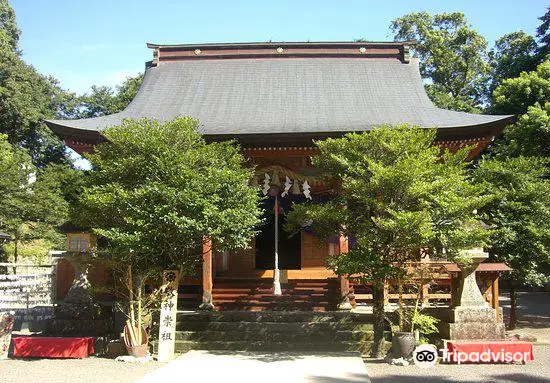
168, 311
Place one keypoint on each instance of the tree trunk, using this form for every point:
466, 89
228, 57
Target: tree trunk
400, 304
513, 307
379, 320
131, 304
15, 253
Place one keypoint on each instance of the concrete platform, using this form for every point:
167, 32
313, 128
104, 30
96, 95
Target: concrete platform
243, 367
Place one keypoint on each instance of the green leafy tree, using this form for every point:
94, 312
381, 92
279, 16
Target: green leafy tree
156, 190
99, 102
512, 54
453, 58
32, 202
104, 100
395, 194
530, 136
26, 97
127, 91
543, 33
8, 25
515, 95
520, 216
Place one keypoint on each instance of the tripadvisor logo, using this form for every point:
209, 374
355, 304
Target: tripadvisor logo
425, 356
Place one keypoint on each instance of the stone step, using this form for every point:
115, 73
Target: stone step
231, 306
273, 316
276, 336
362, 347
272, 326
218, 298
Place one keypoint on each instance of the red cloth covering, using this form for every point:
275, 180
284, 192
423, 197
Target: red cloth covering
489, 351
51, 347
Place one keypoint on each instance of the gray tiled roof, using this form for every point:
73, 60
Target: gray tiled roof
273, 95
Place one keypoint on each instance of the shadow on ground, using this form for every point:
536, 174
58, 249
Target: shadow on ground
350, 378
506, 378
282, 356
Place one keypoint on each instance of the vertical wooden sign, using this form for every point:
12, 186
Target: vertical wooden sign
168, 311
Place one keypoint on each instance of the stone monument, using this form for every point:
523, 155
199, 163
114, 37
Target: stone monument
472, 317
79, 314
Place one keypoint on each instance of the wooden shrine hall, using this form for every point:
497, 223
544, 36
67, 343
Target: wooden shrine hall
275, 99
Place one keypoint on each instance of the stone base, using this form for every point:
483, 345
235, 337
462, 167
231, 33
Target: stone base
473, 315
345, 306
78, 327
206, 306
472, 331
472, 323
81, 311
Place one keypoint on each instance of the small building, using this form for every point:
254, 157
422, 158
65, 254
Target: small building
275, 99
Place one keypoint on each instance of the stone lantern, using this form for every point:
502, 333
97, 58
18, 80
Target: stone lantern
472, 318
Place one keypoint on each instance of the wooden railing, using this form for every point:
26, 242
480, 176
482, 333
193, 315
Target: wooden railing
427, 279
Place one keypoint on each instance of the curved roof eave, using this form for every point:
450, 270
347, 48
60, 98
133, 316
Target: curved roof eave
243, 97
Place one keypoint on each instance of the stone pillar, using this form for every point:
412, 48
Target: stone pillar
425, 293
81, 289
207, 303
469, 293
345, 303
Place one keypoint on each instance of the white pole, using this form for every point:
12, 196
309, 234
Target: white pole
276, 282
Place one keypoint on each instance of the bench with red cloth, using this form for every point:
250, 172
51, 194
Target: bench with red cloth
52, 347
489, 351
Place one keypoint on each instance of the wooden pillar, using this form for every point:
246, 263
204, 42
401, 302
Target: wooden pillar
207, 303
455, 286
386, 293
494, 297
345, 303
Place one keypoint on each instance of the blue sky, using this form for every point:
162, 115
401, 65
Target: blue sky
82, 43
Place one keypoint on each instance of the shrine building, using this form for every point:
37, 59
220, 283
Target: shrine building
275, 99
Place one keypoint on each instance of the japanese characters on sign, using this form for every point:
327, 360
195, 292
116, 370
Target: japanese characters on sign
168, 311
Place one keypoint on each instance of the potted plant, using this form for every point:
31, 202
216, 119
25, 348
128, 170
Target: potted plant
138, 308
403, 341
414, 325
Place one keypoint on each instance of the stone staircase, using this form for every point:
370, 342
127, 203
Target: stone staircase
273, 331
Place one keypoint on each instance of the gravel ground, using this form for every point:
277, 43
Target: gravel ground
89, 370
536, 371
534, 319
533, 315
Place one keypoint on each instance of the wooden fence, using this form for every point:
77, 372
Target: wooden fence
427, 281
